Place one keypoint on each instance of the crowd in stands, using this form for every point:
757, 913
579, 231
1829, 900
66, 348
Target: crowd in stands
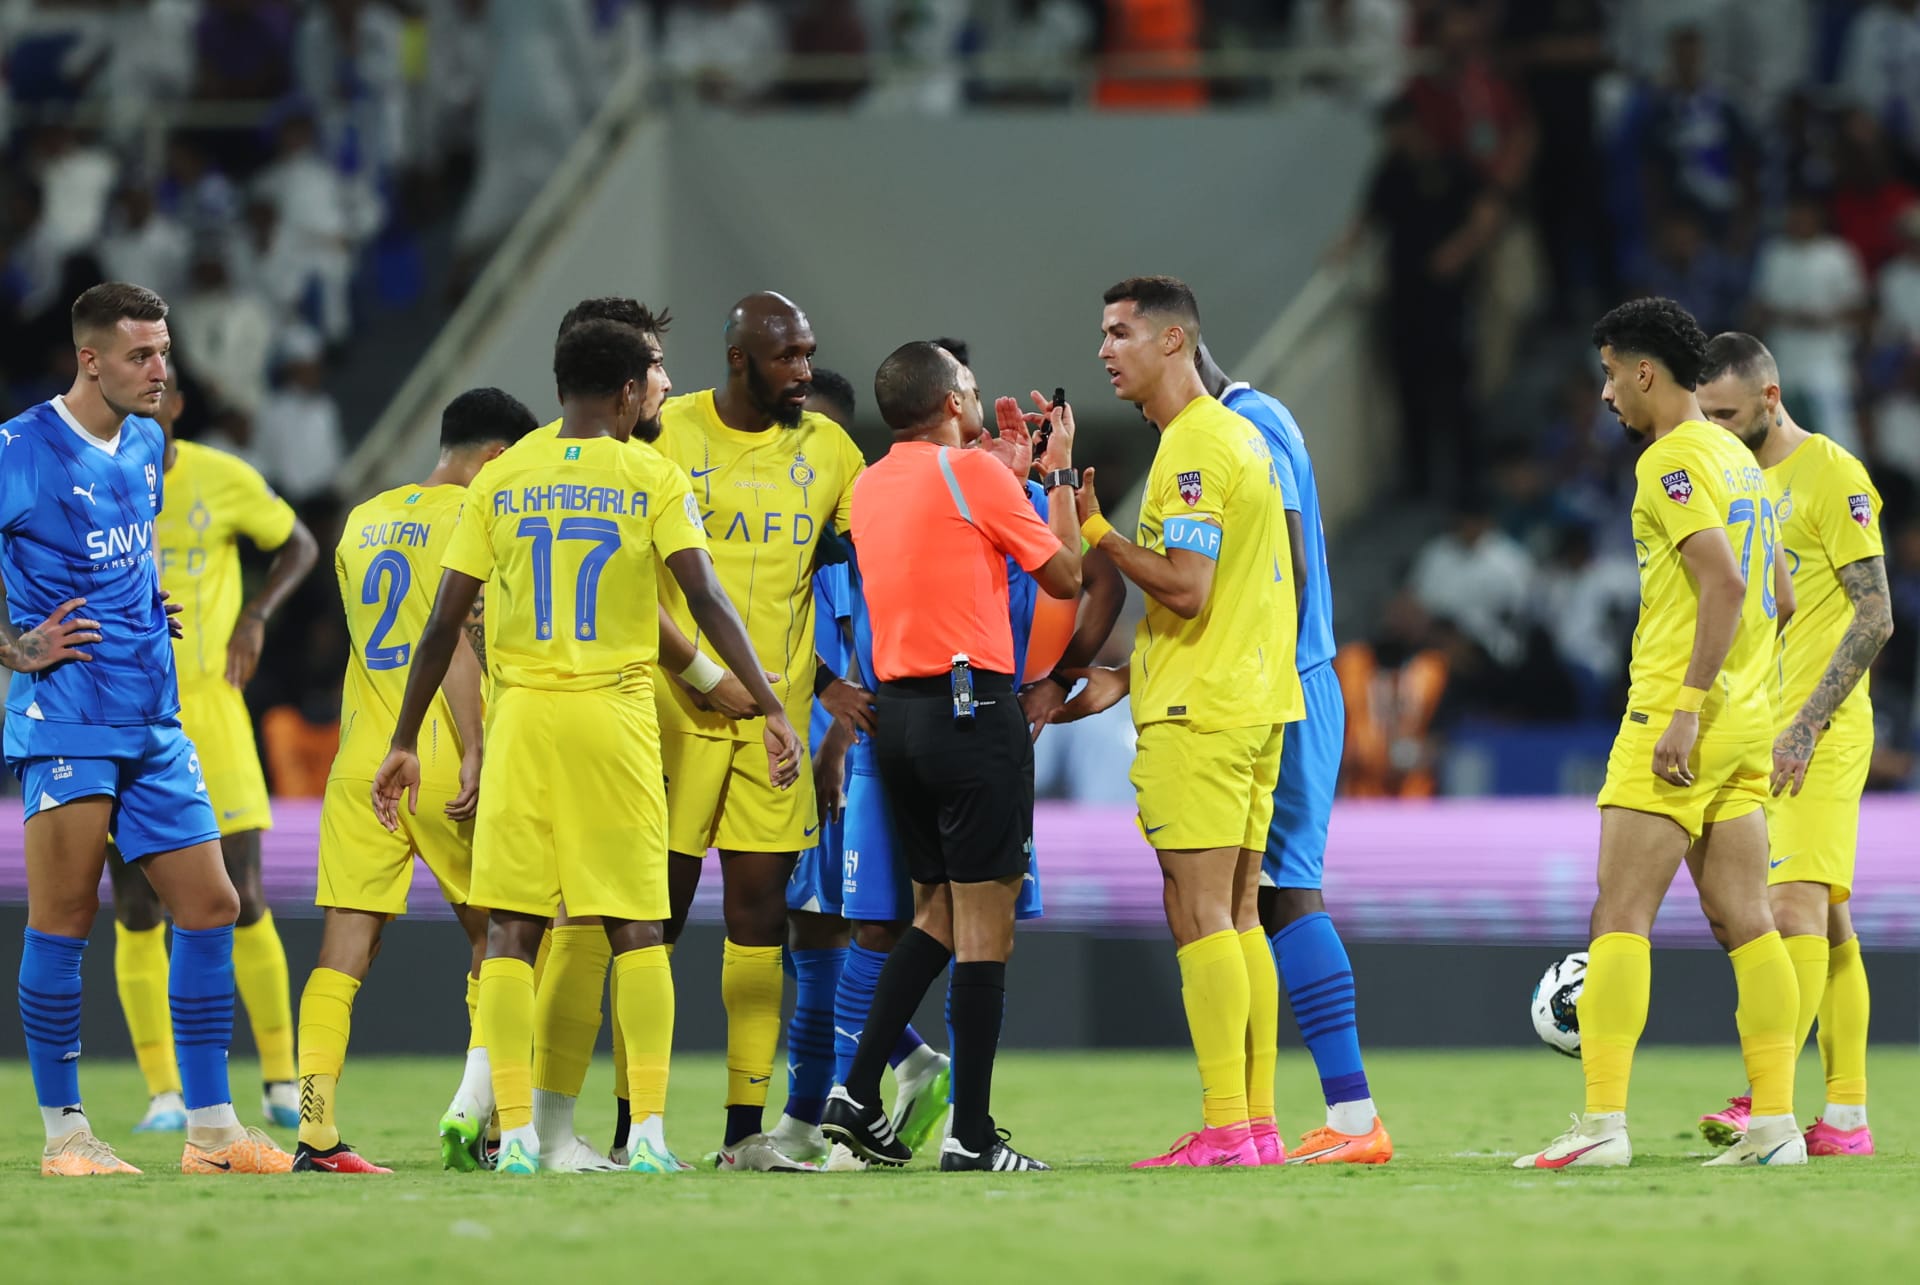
1759, 161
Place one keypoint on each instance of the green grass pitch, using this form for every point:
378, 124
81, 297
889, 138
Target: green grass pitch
1447, 1209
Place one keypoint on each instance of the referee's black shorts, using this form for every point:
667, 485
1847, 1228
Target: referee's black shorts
961, 794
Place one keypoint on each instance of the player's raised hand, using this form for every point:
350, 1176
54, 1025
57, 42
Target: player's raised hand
243, 649
1059, 452
399, 774
465, 804
1675, 747
1039, 703
1014, 446
783, 750
851, 703
53, 641
172, 609
1792, 752
1105, 688
1085, 502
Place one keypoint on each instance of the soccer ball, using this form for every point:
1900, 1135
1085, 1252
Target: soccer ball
1556, 1004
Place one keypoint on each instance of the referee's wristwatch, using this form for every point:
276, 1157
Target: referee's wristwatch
1068, 477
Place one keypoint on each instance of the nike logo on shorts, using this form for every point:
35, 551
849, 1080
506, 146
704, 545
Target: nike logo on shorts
1775, 865
1154, 829
809, 831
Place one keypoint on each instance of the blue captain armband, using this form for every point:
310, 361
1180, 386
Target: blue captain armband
1192, 535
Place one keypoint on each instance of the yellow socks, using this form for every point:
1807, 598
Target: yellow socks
1213, 984
643, 1004
140, 968
566, 1015
540, 958
260, 975
750, 983
326, 1018
475, 1040
1769, 1005
506, 1011
1809, 955
1263, 1022
1843, 1026
1613, 1014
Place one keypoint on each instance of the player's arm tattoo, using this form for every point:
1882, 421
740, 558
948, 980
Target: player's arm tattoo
21, 651
476, 629
1866, 584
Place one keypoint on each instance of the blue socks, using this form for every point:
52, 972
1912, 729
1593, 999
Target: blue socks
811, 1045
851, 1004
200, 992
50, 1015
1319, 980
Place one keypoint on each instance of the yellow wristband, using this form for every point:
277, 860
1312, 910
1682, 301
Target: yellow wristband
1692, 700
1095, 529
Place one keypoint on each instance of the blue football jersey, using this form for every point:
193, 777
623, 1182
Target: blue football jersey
76, 521
830, 594
1302, 496
1023, 591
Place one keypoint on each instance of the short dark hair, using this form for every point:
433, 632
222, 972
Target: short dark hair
111, 302
962, 351
1740, 355
483, 416
628, 312
597, 358
1160, 297
913, 383
836, 388
1660, 329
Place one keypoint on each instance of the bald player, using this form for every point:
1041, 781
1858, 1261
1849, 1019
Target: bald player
772, 478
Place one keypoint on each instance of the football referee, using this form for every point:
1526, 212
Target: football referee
933, 525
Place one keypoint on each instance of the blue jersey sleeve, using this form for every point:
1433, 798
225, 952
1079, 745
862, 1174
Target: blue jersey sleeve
19, 483
1283, 470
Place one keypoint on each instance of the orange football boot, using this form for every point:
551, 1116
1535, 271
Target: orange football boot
1323, 1146
81, 1155
254, 1153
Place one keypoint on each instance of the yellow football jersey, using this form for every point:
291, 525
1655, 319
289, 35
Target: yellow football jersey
388, 566
1697, 477
213, 498
765, 500
569, 534
1213, 489
1829, 516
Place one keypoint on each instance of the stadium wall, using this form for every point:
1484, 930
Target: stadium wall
1452, 910
1002, 228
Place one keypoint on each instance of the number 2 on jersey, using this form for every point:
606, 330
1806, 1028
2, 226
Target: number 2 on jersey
389, 576
604, 534
1743, 511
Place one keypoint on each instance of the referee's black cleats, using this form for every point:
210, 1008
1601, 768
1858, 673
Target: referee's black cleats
995, 1157
865, 1131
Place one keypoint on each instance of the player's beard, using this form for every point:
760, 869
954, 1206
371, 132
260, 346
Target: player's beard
647, 430
770, 403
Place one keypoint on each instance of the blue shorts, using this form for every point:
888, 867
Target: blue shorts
159, 796
815, 884
874, 886
1309, 775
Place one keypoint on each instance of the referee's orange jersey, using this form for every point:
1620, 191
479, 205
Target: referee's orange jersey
933, 528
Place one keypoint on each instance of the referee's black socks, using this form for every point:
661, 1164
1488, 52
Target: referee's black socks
912, 966
979, 1001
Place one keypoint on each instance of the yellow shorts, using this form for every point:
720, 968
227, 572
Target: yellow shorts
1814, 834
1730, 779
214, 715
365, 866
1199, 790
572, 806
720, 795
